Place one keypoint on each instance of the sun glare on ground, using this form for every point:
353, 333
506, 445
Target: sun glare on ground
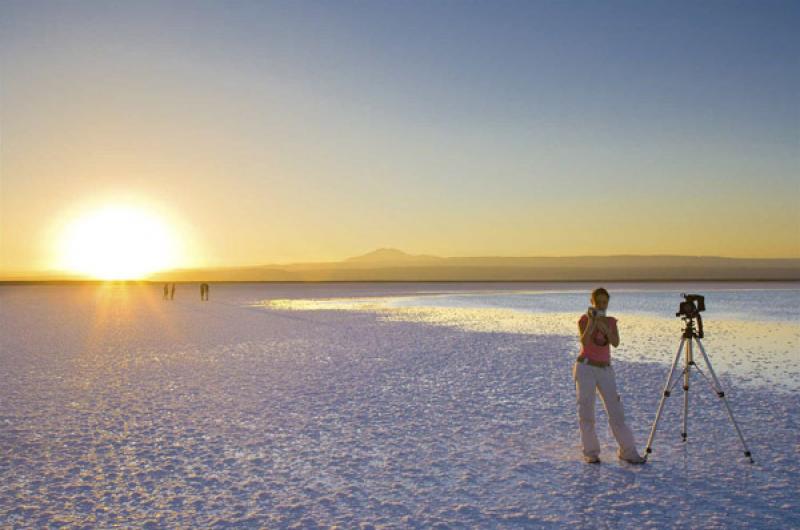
117, 243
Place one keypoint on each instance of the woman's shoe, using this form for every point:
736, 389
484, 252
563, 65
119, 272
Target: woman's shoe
636, 459
591, 459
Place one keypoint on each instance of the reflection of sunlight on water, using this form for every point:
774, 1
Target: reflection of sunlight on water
758, 352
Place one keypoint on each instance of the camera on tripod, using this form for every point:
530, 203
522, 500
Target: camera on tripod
691, 306
689, 311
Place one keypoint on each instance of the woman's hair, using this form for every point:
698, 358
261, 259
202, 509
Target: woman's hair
598, 292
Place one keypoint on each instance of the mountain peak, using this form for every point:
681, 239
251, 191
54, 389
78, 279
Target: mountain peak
390, 255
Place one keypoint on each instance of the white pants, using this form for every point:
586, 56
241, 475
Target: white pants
587, 379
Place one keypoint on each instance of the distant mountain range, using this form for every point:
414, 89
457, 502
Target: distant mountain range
388, 264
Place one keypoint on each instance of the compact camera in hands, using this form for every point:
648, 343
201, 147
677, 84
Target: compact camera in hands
594, 312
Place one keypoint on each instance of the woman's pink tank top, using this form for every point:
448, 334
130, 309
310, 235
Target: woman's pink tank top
598, 348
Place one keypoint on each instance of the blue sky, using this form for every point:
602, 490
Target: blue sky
320, 130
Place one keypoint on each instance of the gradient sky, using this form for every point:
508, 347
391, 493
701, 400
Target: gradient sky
303, 131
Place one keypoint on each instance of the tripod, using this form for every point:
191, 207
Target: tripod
690, 335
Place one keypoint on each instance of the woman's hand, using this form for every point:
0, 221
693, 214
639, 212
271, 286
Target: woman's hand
602, 324
612, 335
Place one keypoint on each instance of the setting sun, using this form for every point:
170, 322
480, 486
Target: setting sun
117, 243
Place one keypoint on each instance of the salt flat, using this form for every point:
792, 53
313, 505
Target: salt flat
120, 408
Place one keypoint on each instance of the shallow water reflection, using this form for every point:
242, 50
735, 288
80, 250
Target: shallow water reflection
753, 334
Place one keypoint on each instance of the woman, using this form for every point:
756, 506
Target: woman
592, 371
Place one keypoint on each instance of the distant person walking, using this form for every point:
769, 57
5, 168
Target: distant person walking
204, 291
172, 292
593, 372
166, 291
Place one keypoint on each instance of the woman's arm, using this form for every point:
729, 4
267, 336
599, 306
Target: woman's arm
586, 329
609, 329
613, 338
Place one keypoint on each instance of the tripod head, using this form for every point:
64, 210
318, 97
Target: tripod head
690, 330
689, 310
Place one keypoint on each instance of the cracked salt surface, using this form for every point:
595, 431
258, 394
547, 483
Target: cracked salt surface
118, 408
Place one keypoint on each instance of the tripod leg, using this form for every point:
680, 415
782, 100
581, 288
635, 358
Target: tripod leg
686, 373
721, 395
664, 396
